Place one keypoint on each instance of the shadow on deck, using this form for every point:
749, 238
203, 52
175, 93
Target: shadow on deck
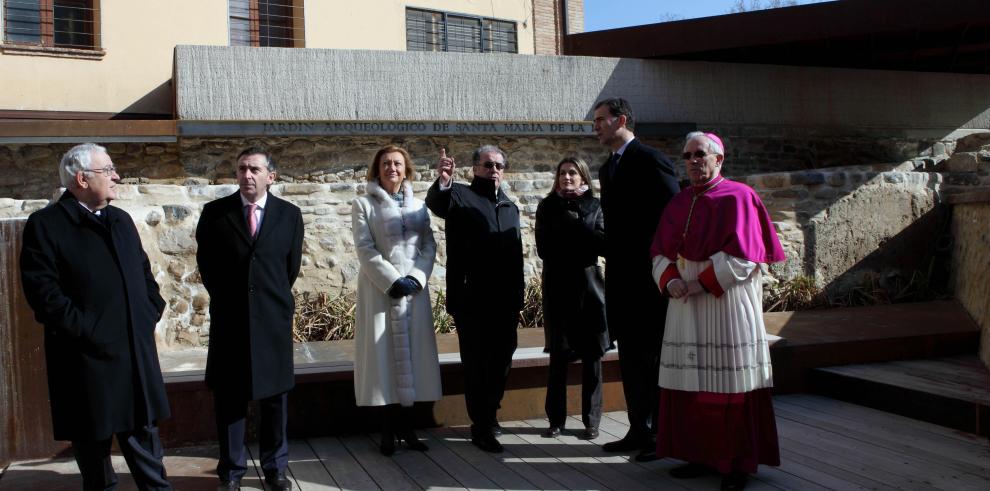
825, 444
322, 404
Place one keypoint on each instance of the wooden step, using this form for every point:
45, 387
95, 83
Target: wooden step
951, 391
824, 338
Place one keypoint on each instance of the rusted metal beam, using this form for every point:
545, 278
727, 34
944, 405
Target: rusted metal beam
755, 35
84, 128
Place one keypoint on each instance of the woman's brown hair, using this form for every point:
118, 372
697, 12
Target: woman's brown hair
582, 168
374, 170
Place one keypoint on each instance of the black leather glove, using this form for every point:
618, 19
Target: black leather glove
403, 287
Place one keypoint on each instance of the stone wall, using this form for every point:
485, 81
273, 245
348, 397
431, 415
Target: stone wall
828, 220
750, 150
30, 169
970, 257
971, 238
831, 221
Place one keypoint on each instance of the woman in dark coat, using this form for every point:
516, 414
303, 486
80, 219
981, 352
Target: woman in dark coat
570, 235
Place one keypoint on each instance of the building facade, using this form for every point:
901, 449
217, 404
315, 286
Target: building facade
99, 59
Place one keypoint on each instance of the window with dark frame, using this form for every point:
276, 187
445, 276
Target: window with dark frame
265, 23
428, 30
51, 23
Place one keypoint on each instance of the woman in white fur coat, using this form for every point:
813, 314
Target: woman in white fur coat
396, 360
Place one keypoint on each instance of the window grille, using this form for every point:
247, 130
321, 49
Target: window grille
428, 30
277, 23
52, 23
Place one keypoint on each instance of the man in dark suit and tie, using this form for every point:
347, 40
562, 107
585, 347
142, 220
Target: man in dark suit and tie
250, 249
637, 182
89, 282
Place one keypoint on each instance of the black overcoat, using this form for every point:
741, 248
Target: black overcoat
570, 236
251, 303
484, 248
90, 284
634, 194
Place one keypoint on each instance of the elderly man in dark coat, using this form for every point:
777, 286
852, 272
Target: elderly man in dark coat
637, 183
484, 281
87, 278
250, 249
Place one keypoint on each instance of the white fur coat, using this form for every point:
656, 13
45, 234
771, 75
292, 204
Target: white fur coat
396, 350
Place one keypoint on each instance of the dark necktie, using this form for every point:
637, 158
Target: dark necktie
612, 165
100, 216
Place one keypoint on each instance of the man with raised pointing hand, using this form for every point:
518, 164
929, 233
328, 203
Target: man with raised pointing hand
484, 281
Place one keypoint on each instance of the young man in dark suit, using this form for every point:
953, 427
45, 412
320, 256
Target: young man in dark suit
637, 181
89, 282
250, 249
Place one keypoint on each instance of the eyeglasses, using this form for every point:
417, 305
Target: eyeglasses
698, 154
497, 165
106, 170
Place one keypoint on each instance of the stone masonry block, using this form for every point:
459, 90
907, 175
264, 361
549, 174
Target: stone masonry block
176, 213
807, 178
962, 162
893, 177
827, 194
774, 181
296, 189
836, 179
792, 193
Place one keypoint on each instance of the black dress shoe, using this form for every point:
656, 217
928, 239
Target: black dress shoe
551, 432
646, 456
589, 434
626, 444
487, 443
734, 482
277, 481
496, 429
413, 442
690, 471
233, 485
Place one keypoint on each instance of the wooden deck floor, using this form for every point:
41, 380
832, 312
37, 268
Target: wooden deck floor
825, 444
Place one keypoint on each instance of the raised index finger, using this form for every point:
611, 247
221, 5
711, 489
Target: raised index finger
443, 152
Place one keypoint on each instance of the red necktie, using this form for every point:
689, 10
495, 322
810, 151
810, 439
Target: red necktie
252, 219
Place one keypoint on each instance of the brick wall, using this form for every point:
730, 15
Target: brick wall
548, 24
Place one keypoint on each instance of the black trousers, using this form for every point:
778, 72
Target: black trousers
636, 314
639, 363
142, 449
397, 420
591, 390
231, 414
487, 342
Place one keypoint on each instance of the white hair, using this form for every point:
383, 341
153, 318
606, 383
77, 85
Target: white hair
78, 158
710, 146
